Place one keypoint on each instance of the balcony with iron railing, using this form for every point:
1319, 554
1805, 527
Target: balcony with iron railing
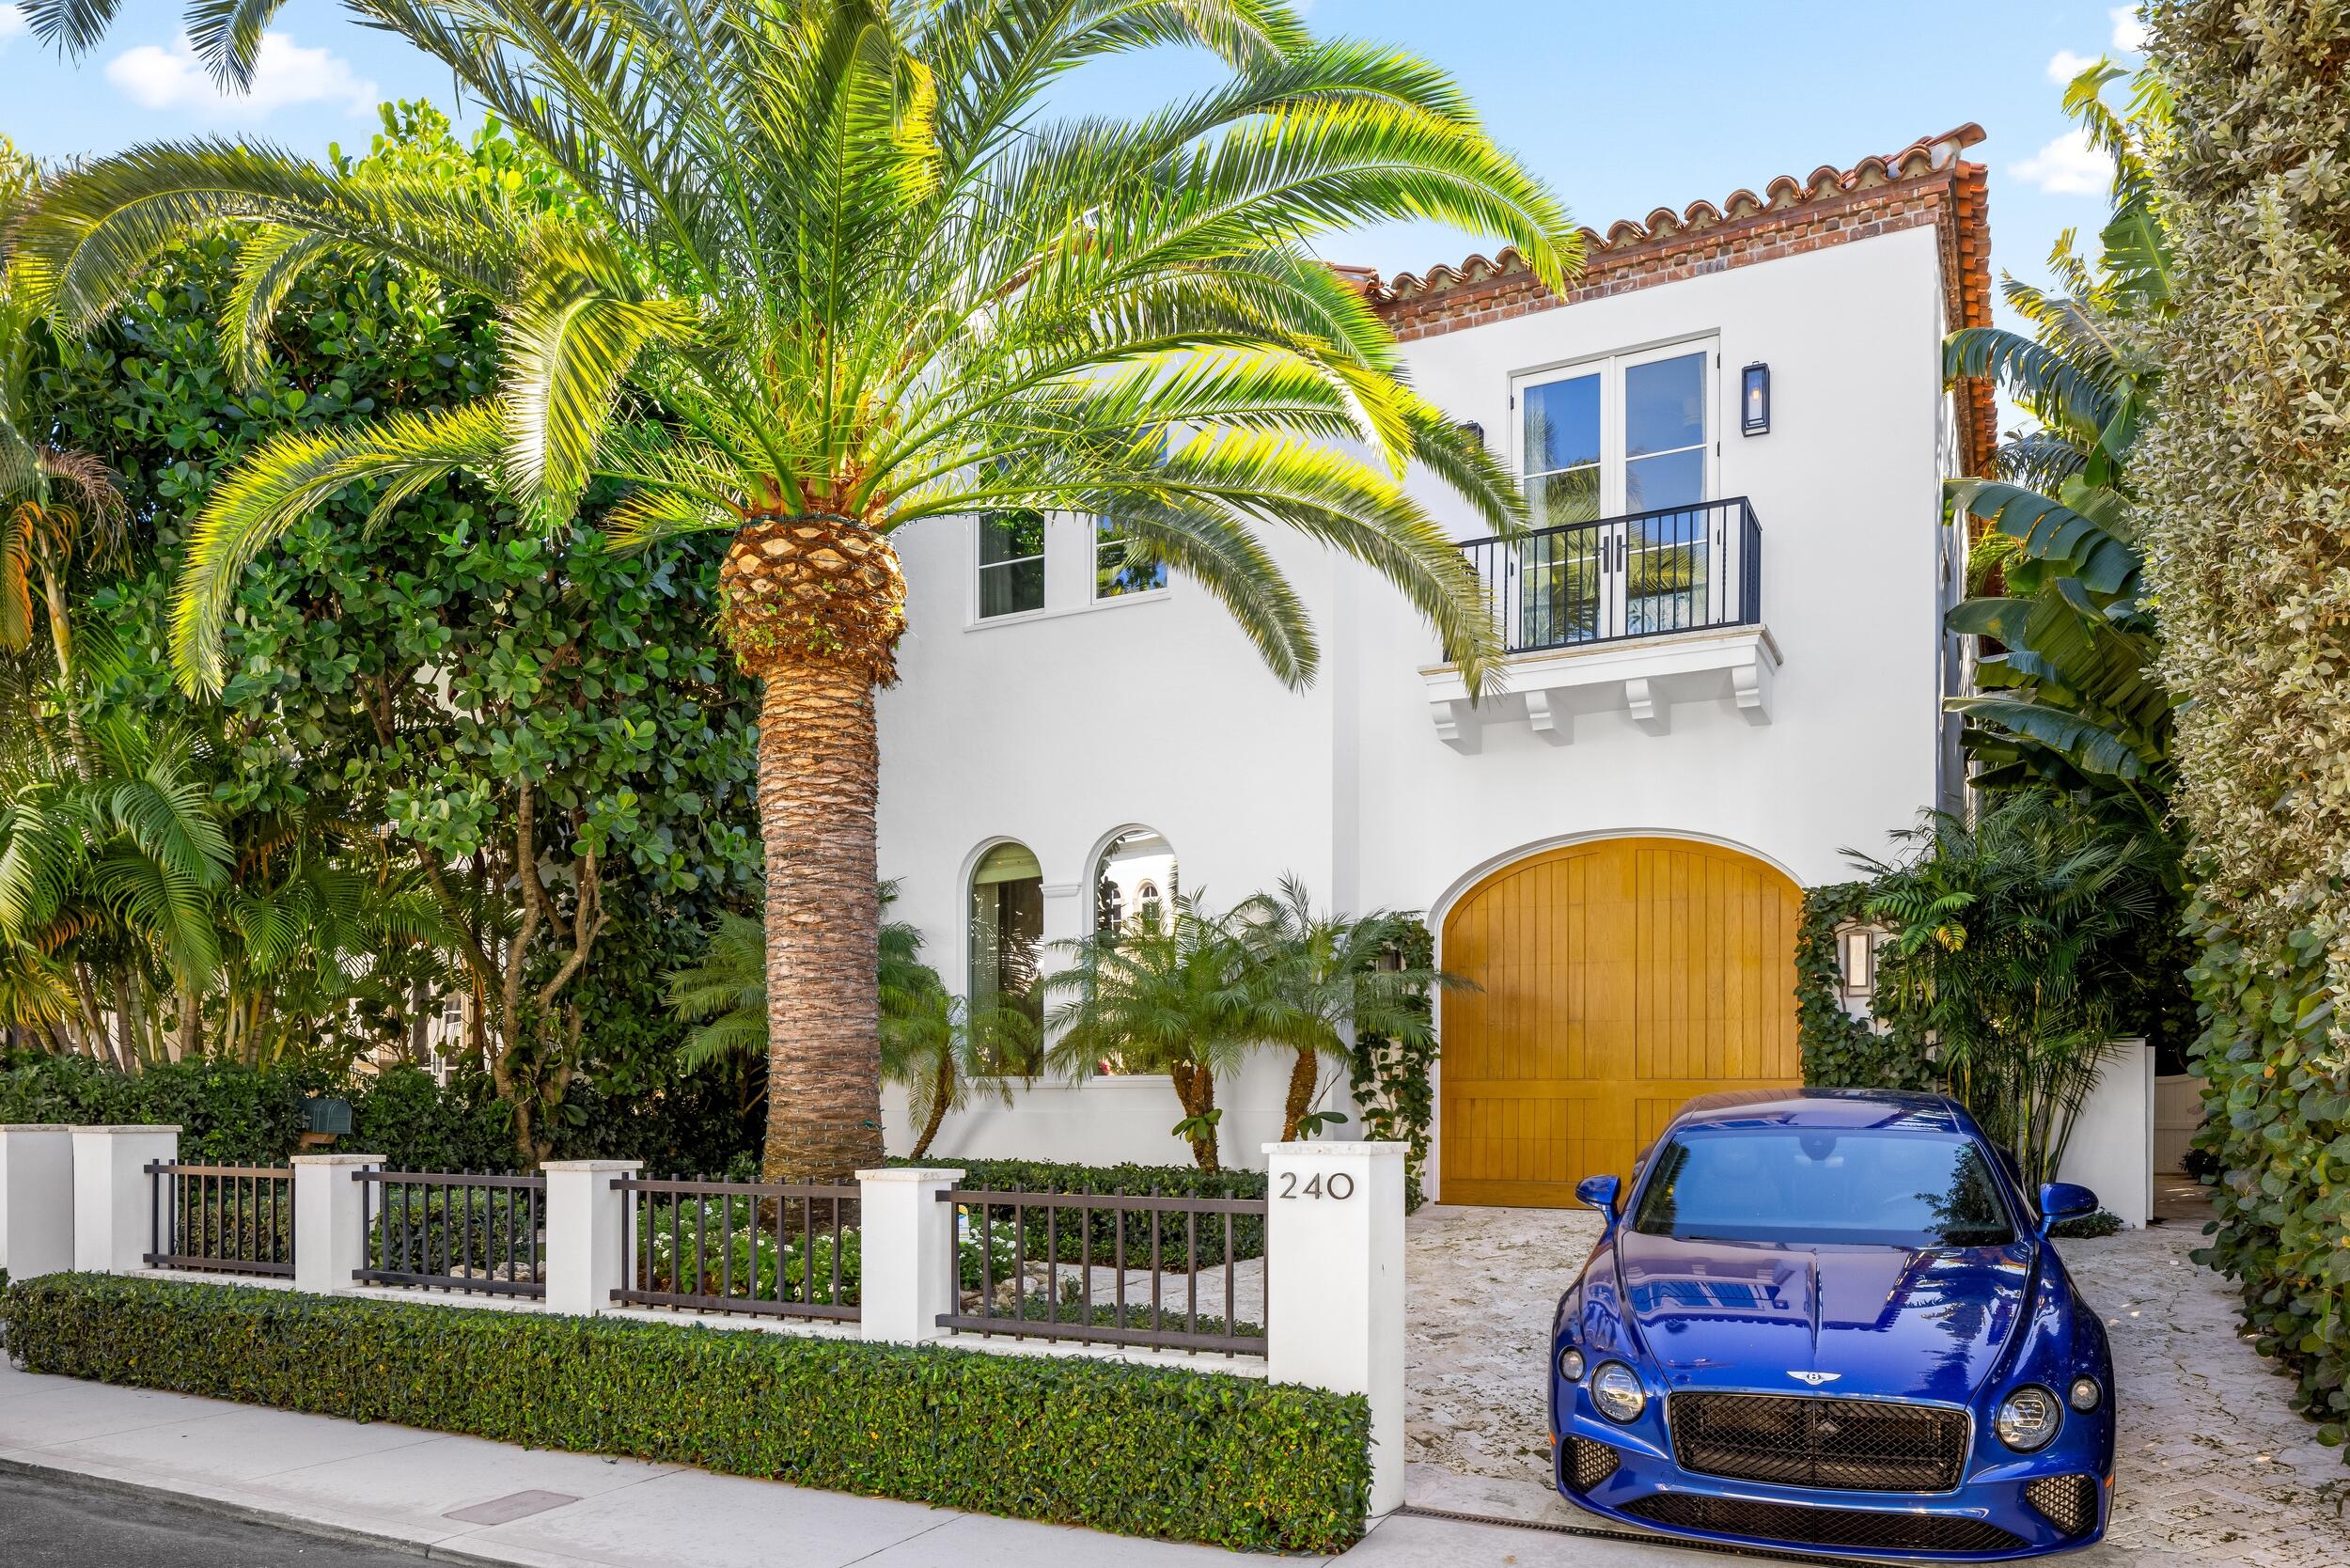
1632, 613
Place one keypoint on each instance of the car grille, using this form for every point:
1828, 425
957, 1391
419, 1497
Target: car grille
1861, 1529
1849, 1445
1589, 1462
2068, 1502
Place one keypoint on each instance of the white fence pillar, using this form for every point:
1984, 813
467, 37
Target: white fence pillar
907, 1263
1333, 1284
36, 1199
587, 1240
114, 1215
330, 1221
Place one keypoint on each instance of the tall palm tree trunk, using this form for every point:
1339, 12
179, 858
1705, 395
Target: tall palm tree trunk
814, 605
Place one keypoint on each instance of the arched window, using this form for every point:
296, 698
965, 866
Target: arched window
1134, 880
1007, 927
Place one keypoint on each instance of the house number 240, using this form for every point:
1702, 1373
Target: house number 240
1338, 1184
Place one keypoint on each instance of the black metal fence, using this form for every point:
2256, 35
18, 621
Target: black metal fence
778, 1249
1172, 1273
227, 1218
1648, 574
454, 1231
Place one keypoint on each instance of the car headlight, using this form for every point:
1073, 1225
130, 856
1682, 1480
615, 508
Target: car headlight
1571, 1364
2029, 1418
1617, 1391
2084, 1394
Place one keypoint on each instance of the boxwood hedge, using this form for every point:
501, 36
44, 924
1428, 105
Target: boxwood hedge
1140, 1450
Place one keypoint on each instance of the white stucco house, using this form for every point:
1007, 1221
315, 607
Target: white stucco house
1728, 665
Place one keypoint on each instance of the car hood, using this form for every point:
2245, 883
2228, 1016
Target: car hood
1889, 1322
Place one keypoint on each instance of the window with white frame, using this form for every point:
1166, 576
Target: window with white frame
1120, 565
1011, 563
1617, 455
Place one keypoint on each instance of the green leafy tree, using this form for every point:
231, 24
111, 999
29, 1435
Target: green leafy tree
834, 270
1325, 979
498, 695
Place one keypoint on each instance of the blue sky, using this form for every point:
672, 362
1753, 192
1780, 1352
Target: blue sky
1624, 108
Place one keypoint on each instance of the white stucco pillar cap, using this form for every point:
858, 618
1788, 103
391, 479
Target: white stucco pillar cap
334, 1159
910, 1173
1381, 1150
593, 1166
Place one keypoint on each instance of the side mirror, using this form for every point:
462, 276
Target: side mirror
1600, 1192
2062, 1200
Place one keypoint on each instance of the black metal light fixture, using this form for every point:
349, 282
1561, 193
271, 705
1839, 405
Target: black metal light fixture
1474, 431
1856, 955
1754, 398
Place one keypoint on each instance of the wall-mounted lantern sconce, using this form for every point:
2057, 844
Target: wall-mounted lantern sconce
1754, 398
1474, 431
1856, 955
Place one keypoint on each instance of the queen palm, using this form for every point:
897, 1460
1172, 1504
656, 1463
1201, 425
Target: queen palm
832, 270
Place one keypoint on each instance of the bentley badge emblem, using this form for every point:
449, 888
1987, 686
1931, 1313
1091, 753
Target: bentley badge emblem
1814, 1378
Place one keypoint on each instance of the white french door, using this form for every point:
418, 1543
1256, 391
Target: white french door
1617, 457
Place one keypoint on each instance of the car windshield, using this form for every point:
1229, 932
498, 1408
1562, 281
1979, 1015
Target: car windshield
1789, 1185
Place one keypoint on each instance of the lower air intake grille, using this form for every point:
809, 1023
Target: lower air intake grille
1862, 1528
2068, 1502
1851, 1445
1589, 1464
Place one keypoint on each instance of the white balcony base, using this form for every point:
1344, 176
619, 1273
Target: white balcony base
1645, 678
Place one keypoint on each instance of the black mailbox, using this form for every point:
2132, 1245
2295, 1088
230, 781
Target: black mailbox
326, 1114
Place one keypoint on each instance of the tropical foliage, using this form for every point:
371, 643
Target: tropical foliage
830, 270
2245, 478
1324, 980
942, 1050
2069, 695
2014, 943
1186, 992
399, 695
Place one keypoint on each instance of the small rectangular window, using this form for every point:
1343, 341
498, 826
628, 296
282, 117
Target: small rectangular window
1011, 563
1118, 566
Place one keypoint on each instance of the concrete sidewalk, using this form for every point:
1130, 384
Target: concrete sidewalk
464, 1501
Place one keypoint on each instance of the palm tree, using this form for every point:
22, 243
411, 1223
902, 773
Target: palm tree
1322, 977
942, 1051
834, 270
2017, 948
52, 501
2069, 699
1172, 992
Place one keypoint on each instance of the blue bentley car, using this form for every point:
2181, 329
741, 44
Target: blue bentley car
1832, 1320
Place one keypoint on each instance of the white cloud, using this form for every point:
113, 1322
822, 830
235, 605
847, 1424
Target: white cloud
2129, 32
2064, 64
11, 22
285, 74
2067, 166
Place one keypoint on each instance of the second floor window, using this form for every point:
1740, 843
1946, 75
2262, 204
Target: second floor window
1011, 563
1629, 433
1117, 570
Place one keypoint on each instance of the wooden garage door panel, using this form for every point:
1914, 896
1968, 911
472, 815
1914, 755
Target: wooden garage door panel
1620, 978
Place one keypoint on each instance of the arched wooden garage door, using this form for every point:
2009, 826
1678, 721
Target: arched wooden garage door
1620, 978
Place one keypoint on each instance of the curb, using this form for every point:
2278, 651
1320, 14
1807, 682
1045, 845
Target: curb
246, 1514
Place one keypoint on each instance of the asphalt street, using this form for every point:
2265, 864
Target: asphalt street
47, 1522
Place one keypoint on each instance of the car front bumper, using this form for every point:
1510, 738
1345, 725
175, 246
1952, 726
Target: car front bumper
1986, 1520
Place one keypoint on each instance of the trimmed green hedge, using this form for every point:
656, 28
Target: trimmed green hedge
1140, 1450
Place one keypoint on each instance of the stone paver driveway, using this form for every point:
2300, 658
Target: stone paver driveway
2215, 1465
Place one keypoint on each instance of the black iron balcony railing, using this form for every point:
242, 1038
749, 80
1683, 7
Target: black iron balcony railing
1682, 569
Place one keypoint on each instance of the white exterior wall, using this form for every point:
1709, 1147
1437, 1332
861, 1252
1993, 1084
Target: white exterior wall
1062, 728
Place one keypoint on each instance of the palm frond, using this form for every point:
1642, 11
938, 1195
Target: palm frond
294, 472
